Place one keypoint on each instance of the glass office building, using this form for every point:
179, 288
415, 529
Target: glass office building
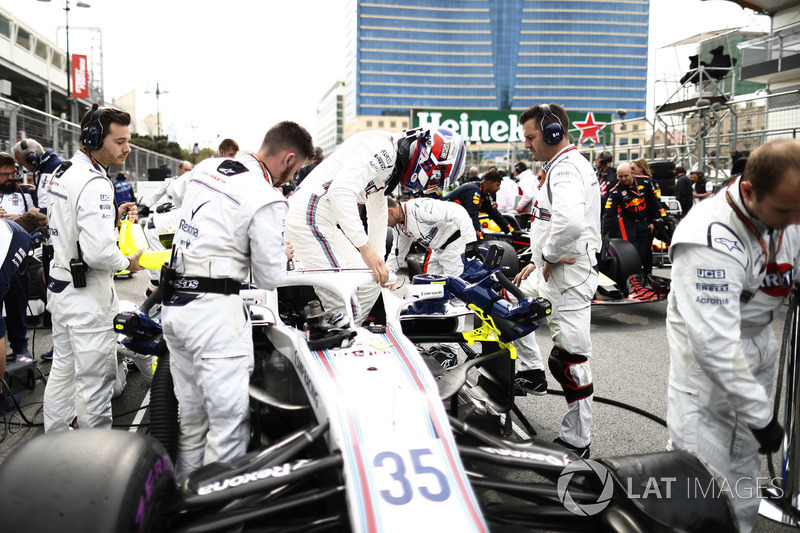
591, 56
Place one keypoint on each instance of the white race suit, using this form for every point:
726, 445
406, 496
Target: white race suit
725, 292
323, 224
82, 211
444, 228
231, 223
566, 225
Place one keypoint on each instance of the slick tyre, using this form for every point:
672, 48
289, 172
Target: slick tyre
86, 480
623, 261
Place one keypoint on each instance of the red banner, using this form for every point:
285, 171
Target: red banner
80, 76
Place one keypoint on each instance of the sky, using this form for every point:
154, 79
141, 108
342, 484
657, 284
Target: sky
235, 70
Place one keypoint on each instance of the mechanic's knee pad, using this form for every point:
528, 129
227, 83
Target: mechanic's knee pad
572, 372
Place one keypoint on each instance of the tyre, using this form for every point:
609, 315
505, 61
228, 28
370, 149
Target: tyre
87, 480
623, 261
510, 262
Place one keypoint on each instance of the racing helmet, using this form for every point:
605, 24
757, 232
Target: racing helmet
436, 158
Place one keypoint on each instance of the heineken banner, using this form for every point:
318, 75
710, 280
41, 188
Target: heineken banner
491, 126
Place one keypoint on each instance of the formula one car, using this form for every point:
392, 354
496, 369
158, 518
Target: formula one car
350, 433
620, 268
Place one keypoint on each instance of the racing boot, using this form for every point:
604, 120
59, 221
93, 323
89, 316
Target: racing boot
532, 382
583, 453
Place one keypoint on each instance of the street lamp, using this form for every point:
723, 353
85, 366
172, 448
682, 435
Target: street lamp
158, 93
69, 59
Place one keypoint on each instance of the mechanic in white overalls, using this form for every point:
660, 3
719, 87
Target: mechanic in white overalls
323, 223
231, 225
446, 230
565, 239
733, 260
81, 295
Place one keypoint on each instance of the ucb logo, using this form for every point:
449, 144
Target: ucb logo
707, 273
778, 280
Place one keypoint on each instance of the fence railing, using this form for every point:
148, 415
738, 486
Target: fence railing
53, 133
704, 138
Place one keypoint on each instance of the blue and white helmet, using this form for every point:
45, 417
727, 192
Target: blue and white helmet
436, 159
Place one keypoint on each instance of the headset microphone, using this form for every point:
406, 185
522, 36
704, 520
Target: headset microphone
29, 154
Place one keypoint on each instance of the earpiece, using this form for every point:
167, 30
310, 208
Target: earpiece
30, 156
553, 132
92, 134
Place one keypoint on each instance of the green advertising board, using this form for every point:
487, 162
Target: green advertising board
494, 126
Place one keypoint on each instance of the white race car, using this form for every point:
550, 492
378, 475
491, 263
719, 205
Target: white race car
349, 433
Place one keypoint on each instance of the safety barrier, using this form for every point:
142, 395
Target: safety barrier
18, 121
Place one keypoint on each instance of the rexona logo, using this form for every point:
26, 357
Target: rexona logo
585, 507
492, 126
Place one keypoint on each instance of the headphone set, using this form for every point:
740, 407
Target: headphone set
553, 132
92, 133
30, 156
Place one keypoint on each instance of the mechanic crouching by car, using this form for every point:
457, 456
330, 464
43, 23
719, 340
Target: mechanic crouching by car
445, 229
631, 212
81, 295
231, 223
733, 259
324, 225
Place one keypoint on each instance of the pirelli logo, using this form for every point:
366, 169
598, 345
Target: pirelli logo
712, 287
707, 273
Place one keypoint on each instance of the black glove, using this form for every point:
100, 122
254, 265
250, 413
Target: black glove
471, 250
770, 437
143, 211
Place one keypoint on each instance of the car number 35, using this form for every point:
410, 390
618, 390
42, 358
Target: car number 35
433, 486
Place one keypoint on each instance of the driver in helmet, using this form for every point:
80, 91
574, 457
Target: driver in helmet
323, 222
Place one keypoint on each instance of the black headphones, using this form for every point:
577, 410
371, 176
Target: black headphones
92, 133
30, 156
553, 132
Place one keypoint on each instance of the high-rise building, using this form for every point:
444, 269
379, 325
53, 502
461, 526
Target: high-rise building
330, 119
589, 55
